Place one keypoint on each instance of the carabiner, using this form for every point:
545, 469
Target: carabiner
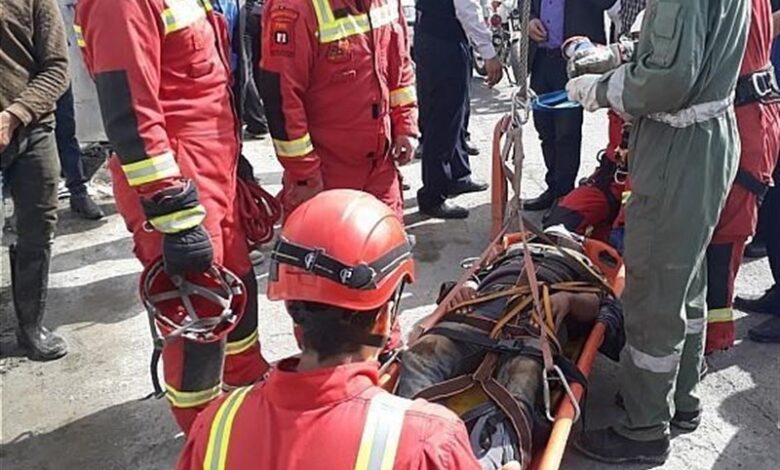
569, 393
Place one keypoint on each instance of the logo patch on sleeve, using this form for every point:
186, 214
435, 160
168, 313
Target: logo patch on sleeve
283, 32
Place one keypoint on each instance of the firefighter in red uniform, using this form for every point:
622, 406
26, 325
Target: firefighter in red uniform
163, 77
757, 106
595, 207
341, 284
338, 85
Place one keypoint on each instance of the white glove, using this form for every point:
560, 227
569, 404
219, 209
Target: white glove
600, 59
583, 90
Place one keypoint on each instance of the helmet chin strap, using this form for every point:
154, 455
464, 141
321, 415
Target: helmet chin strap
379, 341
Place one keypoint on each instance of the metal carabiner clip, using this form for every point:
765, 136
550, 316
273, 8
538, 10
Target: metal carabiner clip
546, 393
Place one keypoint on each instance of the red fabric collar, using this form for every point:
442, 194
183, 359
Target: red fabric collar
289, 389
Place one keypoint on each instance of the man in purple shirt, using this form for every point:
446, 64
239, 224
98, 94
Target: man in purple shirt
553, 21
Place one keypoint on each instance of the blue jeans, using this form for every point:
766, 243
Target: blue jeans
68, 146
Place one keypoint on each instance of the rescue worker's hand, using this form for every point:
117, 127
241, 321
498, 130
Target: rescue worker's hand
583, 90
536, 30
495, 71
599, 59
189, 251
8, 124
296, 193
467, 291
403, 149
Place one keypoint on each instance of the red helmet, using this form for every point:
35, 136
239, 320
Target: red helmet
202, 307
343, 248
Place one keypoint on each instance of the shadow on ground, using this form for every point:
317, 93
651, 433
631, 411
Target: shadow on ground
140, 434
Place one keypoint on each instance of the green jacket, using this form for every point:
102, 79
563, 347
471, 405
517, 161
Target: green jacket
689, 53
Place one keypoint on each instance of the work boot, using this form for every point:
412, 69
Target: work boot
255, 133
85, 207
445, 210
541, 203
606, 445
768, 303
766, 332
29, 281
686, 421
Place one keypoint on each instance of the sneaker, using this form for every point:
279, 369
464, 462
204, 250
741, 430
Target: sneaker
768, 303
85, 207
606, 445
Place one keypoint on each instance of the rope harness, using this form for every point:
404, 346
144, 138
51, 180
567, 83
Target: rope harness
259, 211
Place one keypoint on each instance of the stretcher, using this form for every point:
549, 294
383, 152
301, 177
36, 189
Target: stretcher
509, 226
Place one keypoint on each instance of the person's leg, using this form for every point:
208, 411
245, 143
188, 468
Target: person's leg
70, 159
568, 134
687, 404
586, 211
723, 261
254, 114
433, 359
441, 91
33, 177
544, 122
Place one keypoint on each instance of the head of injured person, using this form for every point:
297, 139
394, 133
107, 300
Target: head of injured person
340, 265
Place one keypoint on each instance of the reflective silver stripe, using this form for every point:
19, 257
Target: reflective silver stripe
151, 169
659, 365
615, 87
331, 29
182, 13
695, 326
381, 432
403, 96
695, 114
179, 220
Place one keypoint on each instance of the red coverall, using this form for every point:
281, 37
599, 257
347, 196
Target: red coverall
595, 208
324, 419
163, 81
338, 86
759, 130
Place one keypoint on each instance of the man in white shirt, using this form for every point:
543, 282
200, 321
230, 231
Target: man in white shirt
442, 51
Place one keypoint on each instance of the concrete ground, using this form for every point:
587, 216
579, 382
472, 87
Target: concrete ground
85, 411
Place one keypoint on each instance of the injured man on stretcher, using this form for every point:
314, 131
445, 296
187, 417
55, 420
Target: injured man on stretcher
485, 359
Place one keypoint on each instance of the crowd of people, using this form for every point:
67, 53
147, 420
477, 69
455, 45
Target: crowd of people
684, 183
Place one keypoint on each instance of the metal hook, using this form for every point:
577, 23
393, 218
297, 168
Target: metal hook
569, 393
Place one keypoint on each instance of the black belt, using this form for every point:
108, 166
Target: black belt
752, 184
758, 86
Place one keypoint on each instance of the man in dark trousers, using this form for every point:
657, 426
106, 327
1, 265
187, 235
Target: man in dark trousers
34, 71
552, 22
443, 55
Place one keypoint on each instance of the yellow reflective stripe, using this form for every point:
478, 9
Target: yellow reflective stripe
403, 96
221, 427
381, 432
179, 220
720, 315
181, 399
237, 347
151, 169
294, 148
79, 36
331, 29
183, 13
625, 196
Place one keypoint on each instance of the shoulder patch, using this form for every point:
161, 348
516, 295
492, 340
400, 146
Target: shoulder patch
282, 22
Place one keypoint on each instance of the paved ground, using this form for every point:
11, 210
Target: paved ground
84, 411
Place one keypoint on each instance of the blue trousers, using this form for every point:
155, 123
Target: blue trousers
68, 146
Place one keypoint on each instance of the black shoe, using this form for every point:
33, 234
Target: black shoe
766, 332
768, 303
467, 186
686, 421
418, 152
606, 445
541, 203
445, 210
255, 133
756, 249
405, 187
85, 207
471, 149
41, 344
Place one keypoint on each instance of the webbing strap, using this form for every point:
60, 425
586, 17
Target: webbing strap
751, 183
381, 432
221, 427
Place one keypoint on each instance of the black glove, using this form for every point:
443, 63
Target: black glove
611, 315
189, 251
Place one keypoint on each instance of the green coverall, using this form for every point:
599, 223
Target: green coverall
682, 165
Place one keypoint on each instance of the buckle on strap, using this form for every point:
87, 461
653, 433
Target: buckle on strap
763, 83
